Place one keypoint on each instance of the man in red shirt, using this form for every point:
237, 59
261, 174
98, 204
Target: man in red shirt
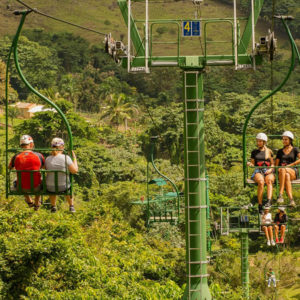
28, 160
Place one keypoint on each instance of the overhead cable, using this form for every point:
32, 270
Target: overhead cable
59, 20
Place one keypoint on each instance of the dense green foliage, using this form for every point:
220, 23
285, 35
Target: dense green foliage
104, 251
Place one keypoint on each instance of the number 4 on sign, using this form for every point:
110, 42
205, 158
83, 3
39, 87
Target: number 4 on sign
187, 28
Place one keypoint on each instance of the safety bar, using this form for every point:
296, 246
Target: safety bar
36, 190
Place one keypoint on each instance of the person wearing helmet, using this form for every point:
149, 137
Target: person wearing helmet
266, 221
28, 160
280, 224
60, 162
263, 157
289, 157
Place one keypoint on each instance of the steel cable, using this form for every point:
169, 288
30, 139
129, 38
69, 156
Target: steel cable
59, 20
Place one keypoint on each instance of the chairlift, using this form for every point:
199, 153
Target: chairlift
160, 205
14, 177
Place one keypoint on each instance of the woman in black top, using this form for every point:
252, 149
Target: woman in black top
263, 157
288, 156
280, 224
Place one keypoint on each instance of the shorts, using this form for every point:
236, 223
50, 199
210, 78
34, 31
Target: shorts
261, 171
61, 189
279, 226
26, 191
266, 225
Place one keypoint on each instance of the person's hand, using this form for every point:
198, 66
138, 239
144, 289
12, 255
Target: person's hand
269, 171
249, 164
73, 154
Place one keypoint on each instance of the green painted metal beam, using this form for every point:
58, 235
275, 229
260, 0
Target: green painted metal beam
244, 262
195, 187
247, 35
135, 36
191, 61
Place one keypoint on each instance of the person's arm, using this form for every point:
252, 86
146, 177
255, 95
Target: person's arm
251, 163
278, 158
296, 162
12, 162
73, 168
271, 170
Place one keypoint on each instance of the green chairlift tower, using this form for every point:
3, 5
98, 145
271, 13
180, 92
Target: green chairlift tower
138, 56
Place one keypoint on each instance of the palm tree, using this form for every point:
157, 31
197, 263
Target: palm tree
118, 110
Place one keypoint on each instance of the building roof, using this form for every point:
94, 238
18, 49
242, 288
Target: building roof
24, 105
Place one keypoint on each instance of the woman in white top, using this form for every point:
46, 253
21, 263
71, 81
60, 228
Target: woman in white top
60, 162
267, 226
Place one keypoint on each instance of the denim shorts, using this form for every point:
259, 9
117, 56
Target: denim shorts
261, 171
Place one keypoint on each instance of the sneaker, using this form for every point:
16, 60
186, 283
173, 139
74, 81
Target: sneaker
281, 241
292, 203
273, 243
72, 209
269, 203
37, 207
30, 204
268, 243
280, 199
277, 241
53, 209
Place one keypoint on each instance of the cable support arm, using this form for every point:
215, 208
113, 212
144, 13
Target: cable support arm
292, 65
15, 50
165, 177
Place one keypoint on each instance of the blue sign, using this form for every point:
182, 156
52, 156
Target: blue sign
191, 28
187, 28
196, 28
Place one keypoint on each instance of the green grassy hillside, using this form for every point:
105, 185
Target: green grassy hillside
105, 16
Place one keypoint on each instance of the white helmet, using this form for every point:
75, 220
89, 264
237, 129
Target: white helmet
288, 134
281, 208
57, 142
26, 139
262, 136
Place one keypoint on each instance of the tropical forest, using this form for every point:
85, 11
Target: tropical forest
135, 229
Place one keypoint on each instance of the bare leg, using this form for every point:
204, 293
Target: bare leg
259, 179
70, 200
282, 231
53, 200
28, 199
269, 182
289, 176
37, 200
266, 232
281, 176
276, 231
270, 229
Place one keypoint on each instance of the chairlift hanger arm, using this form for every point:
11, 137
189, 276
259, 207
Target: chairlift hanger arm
15, 51
292, 65
136, 38
162, 175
